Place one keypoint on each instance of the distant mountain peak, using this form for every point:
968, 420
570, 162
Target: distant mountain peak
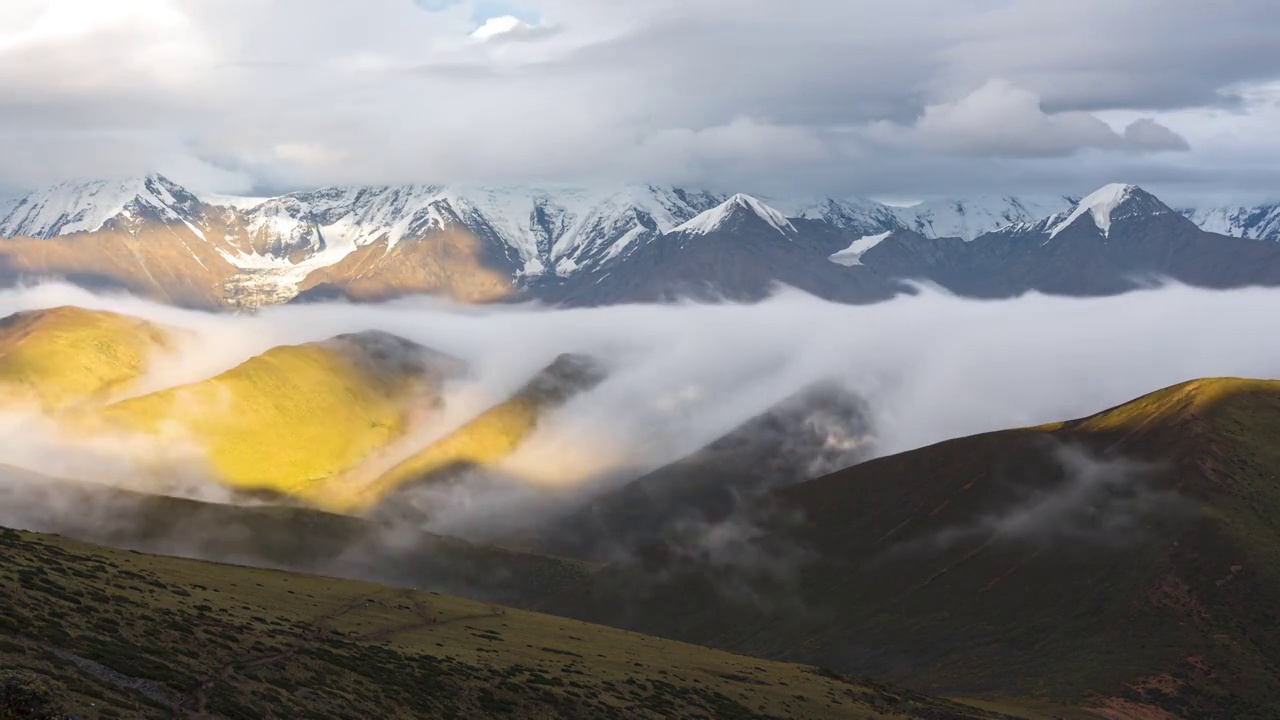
1109, 204
736, 209
71, 207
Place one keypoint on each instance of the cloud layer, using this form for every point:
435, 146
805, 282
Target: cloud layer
912, 97
930, 367
924, 368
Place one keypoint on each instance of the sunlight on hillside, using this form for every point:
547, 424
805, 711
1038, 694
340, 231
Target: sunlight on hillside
485, 441
64, 356
1172, 403
285, 420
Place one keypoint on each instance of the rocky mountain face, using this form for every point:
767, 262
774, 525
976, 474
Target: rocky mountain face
153, 237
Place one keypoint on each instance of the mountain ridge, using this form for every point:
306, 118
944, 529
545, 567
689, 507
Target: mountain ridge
559, 244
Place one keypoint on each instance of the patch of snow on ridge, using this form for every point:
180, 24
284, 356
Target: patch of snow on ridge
852, 255
716, 217
267, 279
1101, 203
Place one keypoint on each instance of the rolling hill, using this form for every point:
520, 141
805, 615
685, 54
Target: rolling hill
108, 634
820, 429
1129, 561
484, 441
336, 424
290, 419
281, 537
60, 357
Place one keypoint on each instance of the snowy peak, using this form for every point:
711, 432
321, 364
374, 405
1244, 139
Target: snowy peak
542, 230
1110, 204
733, 213
85, 207
967, 218
598, 227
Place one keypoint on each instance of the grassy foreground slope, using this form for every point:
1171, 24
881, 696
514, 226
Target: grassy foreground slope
63, 356
1128, 562
114, 634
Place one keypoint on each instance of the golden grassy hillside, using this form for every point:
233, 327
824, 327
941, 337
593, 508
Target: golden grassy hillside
489, 438
1181, 402
311, 421
296, 415
64, 356
104, 634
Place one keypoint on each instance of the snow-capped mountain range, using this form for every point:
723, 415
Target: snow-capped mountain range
262, 250
559, 223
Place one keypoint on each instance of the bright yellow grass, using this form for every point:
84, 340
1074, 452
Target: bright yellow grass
65, 356
282, 421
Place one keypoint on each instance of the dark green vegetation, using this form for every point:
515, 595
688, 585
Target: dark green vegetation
1128, 562
25, 696
115, 634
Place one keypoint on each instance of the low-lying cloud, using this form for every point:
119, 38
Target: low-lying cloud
1099, 501
925, 368
930, 367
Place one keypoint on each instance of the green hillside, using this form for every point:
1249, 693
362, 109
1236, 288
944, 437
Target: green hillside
1129, 562
110, 634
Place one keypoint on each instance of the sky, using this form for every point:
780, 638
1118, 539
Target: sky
904, 99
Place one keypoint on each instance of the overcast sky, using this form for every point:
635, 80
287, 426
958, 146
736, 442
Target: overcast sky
889, 98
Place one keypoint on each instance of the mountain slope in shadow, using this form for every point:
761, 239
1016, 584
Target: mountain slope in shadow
1126, 560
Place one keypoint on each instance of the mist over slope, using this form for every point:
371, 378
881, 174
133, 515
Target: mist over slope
927, 367
1129, 559
680, 444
